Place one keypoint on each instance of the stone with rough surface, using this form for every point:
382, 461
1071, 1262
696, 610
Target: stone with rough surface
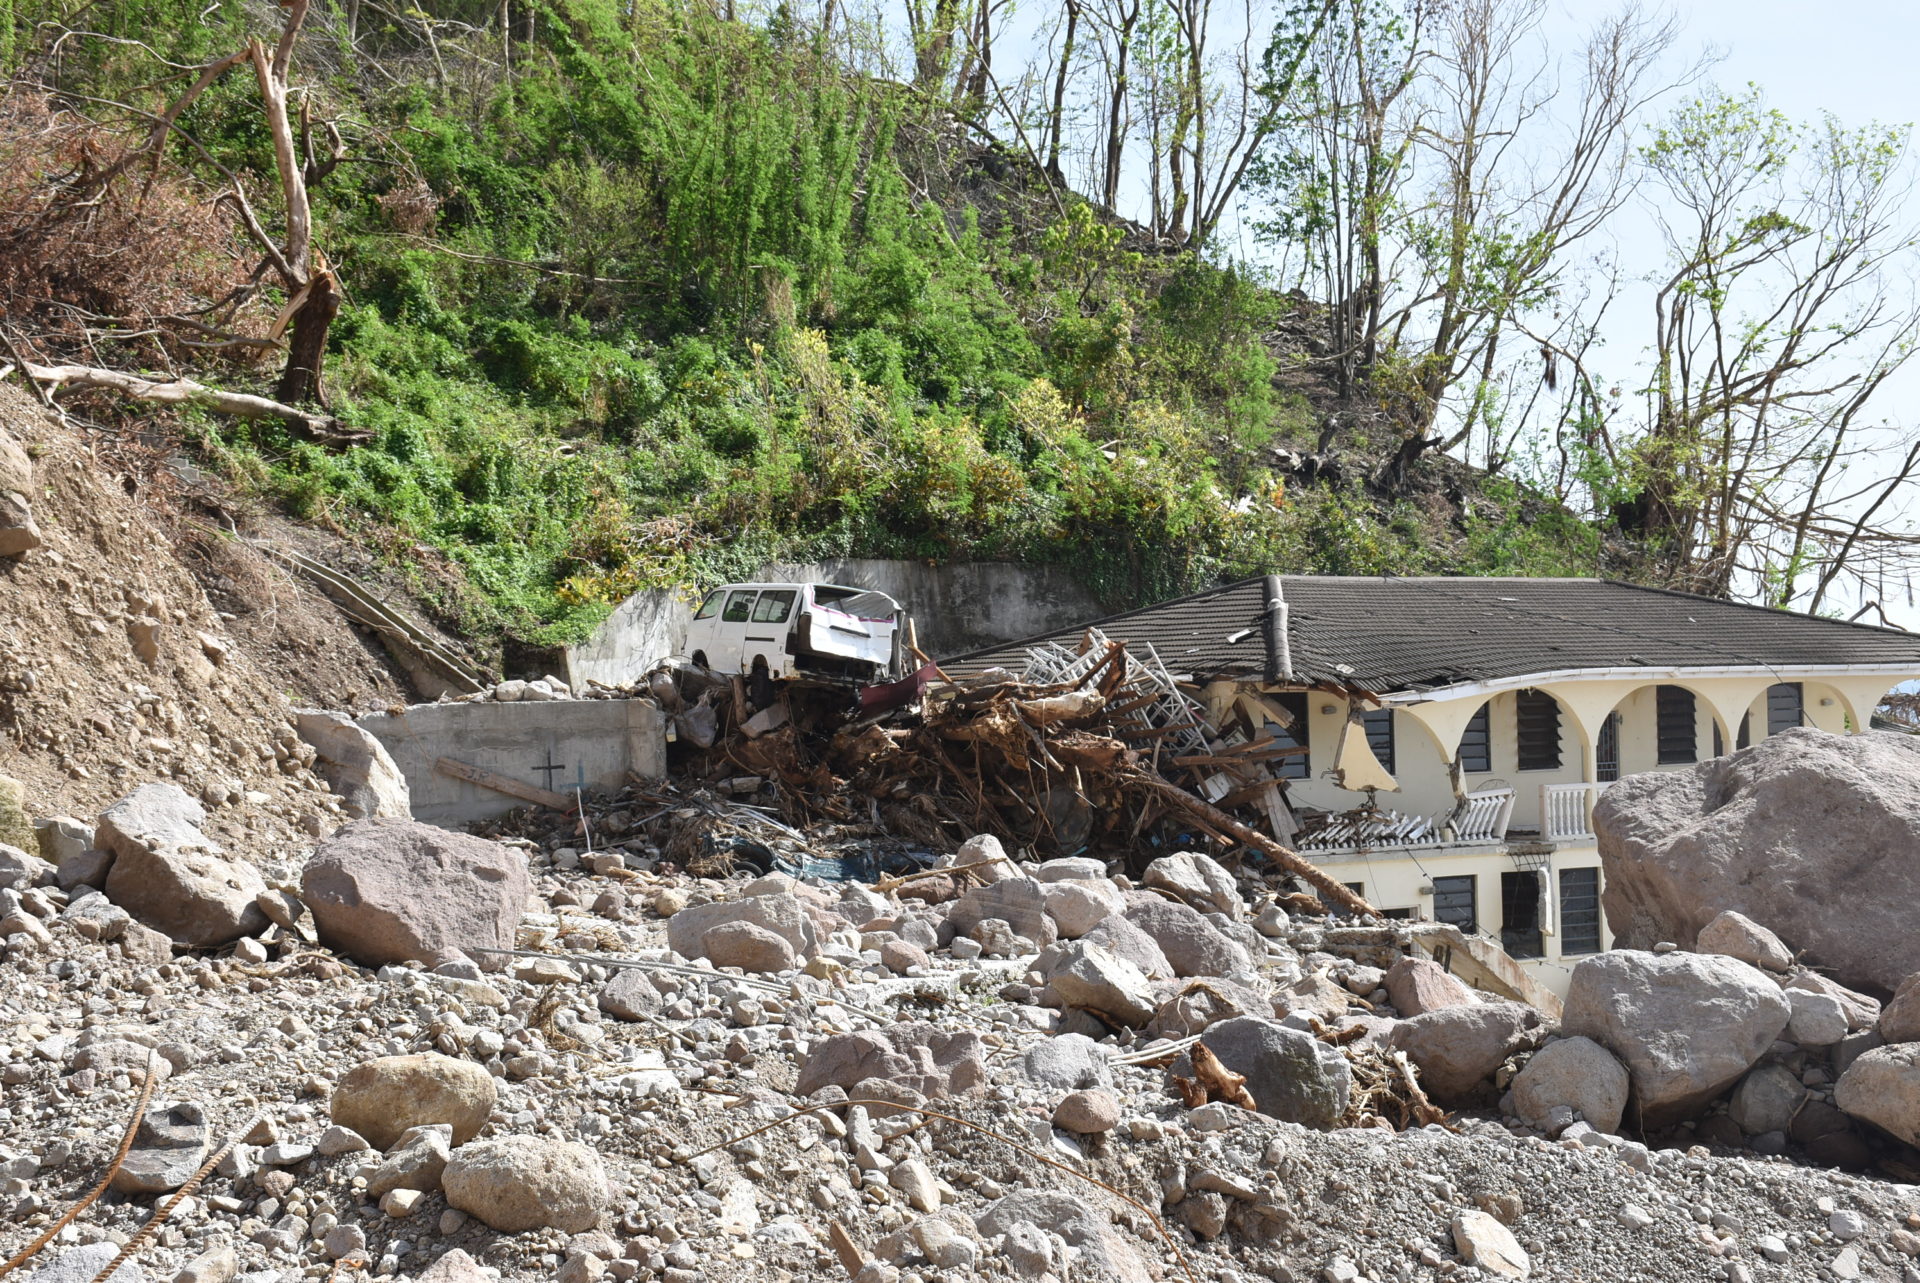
1122, 938
1198, 880
1088, 1112
1086, 976
1069, 1062
1078, 907
21, 869
1810, 833
1766, 1100
83, 1265
16, 826
1082, 1222
381, 1099
1818, 1019
1577, 1074
1637, 1005
454, 1267
1738, 936
1416, 986
1192, 944
932, 1061
1457, 1049
170, 875
1900, 1019
387, 891
355, 765
1862, 1011
416, 1161
1020, 902
1291, 1075
780, 913
748, 947
1882, 1087
1484, 1242
168, 1148
520, 1183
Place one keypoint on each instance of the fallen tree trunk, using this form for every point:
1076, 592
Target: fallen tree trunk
317, 427
1285, 857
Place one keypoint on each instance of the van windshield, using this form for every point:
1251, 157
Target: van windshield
774, 608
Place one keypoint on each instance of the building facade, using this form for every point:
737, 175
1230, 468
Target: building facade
1438, 744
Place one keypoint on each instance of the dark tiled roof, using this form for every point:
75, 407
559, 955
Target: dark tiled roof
1388, 634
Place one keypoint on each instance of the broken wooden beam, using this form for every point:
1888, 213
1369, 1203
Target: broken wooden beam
503, 784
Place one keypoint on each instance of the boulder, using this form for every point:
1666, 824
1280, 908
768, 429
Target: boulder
1416, 986
1197, 880
1088, 977
170, 875
1072, 868
748, 947
983, 858
923, 1057
417, 1161
1068, 1062
1080, 1221
1190, 943
1882, 1087
62, 838
1900, 1019
1686, 1025
781, 913
386, 891
1123, 939
1200, 1003
1020, 902
520, 1183
382, 1099
1088, 1112
21, 869
1766, 1100
1738, 936
1809, 833
1078, 907
1291, 1075
1817, 1019
1862, 1011
1577, 1074
1457, 1049
355, 765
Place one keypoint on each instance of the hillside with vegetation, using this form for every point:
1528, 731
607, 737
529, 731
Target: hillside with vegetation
546, 303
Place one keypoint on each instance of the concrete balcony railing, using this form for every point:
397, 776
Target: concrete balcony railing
1566, 810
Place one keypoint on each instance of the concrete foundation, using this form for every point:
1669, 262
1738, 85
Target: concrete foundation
558, 745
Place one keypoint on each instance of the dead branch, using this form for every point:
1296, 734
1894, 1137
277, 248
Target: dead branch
318, 427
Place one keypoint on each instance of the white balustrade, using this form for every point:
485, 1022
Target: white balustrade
1566, 810
1485, 817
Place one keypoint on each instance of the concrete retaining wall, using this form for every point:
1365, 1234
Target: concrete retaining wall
593, 743
956, 608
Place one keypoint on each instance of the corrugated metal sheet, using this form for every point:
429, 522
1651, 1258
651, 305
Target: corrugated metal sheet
1390, 634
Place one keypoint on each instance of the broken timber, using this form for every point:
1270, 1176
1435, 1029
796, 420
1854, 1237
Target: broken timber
503, 784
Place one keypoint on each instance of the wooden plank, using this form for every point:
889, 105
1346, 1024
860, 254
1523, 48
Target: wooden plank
1241, 759
502, 784
844, 1247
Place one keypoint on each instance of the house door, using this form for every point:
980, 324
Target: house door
1606, 765
1520, 915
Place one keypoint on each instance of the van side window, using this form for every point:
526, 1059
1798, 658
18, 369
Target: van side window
739, 608
774, 608
711, 606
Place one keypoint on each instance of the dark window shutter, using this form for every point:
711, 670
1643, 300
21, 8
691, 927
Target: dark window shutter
1674, 716
1537, 715
1453, 903
1476, 743
1379, 727
1579, 911
1786, 705
1607, 765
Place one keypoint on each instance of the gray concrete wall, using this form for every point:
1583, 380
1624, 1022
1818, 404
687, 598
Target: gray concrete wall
965, 605
645, 629
592, 742
956, 608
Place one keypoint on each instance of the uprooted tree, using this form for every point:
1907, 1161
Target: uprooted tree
312, 291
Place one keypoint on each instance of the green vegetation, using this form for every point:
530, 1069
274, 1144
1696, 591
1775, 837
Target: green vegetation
647, 298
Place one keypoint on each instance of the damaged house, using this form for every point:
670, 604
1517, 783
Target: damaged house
1437, 744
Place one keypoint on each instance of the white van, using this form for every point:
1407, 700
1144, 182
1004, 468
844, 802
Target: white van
820, 631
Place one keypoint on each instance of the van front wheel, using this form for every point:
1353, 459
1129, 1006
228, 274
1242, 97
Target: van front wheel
760, 683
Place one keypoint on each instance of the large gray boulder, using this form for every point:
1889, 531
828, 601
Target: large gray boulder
1192, 945
922, 1057
1459, 1048
1018, 901
1882, 1087
1291, 1075
1686, 1025
1197, 880
1577, 1073
1810, 833
355, 765
385, 891
170, 875
1088, 977
781, 914
1118, 936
